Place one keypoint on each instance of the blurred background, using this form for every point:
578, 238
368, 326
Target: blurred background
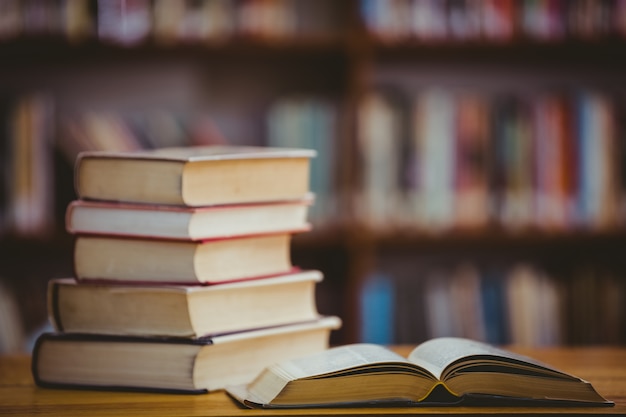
471, 166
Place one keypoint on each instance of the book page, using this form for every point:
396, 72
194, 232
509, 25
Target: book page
437, 354
337, 359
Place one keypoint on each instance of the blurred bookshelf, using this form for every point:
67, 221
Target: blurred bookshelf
471, 160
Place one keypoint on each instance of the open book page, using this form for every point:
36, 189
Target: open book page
340, 358
365, 374
437, 355
348, 374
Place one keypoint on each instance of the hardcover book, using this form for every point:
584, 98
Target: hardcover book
110, 258
181, 311
194, 176
74, 360
442, 370
186, 223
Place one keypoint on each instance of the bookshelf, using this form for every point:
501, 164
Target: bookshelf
332, 67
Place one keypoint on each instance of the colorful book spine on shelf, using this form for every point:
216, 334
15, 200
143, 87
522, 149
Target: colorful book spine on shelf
494, 307
168, 22
434, 145
513, 157
534, 311
28, 169
503, 303
381, 136
597, 169
93, 130
491, 20
471, 181
453, 302
377, 310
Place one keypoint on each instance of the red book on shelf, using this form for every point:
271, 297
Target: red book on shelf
471, 171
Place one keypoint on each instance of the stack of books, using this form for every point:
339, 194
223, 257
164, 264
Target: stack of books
183, 277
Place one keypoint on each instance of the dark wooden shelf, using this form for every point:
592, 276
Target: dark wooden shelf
582, 52
498, 236
538, 239
15, 246
45, 48
58, 49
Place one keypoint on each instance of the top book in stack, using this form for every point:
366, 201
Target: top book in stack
195, 176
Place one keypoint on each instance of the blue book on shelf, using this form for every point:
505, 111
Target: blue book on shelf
494, 308
377, 310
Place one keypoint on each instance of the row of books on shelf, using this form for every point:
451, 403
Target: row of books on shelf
165, 21
521, 304
101, 130
35, 131
439, 159
155, 289
493, 20
444, 159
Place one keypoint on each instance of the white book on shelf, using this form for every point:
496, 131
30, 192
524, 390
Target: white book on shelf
378, 136
597, 198
534, 313
434, 135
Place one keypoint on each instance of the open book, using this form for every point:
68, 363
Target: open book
440, 370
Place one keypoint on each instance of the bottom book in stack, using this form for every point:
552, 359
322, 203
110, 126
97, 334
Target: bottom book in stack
175, 337
172, 364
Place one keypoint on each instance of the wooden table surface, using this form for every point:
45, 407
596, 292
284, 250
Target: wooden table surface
604, 367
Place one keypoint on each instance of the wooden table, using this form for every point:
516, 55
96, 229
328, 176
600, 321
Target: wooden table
604, 367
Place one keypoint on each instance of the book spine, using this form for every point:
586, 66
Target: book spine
47, 337
377, 301
54, 313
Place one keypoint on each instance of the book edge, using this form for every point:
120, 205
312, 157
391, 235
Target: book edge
228, 153
297, 275
121, 205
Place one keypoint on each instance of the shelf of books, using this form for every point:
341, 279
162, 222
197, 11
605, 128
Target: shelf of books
492, 22
169, 22
524, 299
449, 159
452, 138
475, 131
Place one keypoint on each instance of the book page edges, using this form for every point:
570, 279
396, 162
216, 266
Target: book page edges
202, 153
126, 287
306, 227
325, 322
118, 205
54, 315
